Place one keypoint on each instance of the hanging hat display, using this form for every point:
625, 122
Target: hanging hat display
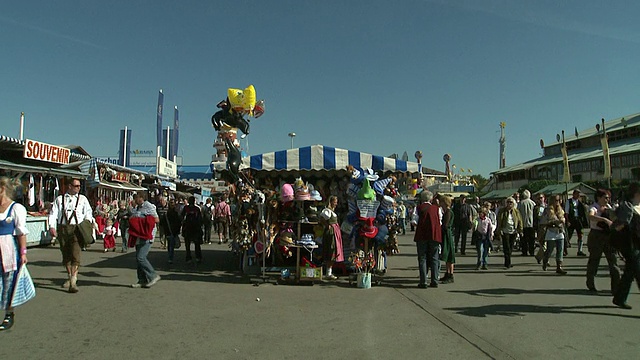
286, 193
370, 175
315, 195
366, 192
312, 214
380, 185
368, 229
387, 202
352, 190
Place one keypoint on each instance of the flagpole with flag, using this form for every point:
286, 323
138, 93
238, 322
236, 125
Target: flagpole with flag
159, 118
174, 139
604, 141
566, 175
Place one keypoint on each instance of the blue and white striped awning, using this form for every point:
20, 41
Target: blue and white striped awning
319, 157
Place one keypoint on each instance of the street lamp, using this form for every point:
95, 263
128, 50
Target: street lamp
292, 135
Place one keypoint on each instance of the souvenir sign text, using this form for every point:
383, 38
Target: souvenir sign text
45, 152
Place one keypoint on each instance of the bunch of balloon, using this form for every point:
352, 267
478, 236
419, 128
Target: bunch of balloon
234, 114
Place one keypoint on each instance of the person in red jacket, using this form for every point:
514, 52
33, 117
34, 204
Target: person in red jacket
142, 224
428, 238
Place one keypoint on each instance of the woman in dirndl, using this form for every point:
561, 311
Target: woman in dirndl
331, 238
13, 245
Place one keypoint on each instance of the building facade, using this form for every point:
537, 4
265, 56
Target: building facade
585, 154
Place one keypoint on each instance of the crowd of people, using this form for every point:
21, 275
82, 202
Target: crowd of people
441, 226
614, 230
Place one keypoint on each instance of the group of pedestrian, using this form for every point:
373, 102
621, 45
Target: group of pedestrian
611, 230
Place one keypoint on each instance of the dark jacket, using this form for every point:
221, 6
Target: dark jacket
172, 221
191, 222
122, 216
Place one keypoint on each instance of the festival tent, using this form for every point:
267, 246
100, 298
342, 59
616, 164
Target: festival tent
319, 157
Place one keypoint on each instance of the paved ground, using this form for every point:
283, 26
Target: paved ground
211, 312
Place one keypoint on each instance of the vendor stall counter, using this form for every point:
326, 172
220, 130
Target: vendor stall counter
38, 227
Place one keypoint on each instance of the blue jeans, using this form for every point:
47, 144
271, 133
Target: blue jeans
171, 245
482, 246
423, 250
146, 272
559, 246
125, 238
434, 260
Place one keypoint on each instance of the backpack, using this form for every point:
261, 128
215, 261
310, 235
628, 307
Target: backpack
206, 214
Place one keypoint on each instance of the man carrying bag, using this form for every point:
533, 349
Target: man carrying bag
67, 213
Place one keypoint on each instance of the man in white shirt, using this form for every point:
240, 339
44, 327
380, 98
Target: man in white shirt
67, 212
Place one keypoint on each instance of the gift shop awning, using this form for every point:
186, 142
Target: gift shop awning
319, 157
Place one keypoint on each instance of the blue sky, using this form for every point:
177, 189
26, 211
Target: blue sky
374, 76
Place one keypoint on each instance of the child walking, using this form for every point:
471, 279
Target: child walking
109, 236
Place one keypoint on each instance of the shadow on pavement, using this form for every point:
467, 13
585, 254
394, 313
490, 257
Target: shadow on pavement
499, 292
523, 309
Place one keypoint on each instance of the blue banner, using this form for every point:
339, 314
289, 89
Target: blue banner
125, 147
159, 118
174, 138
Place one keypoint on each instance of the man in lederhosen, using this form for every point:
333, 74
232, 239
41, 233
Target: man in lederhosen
67, 212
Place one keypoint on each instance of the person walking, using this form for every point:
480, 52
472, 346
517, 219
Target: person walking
627, 238
463, 220
222, 213
207, 220
448, 246
142, 228
161, 208
509, 226
171, 224
192, 228
13, 245
402, 217
576, 214
122, 217
553, 220
525, 207
428, 238
598, 241
538, 210
483, 229
67, 212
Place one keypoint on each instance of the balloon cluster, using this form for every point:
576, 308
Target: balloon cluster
234, 114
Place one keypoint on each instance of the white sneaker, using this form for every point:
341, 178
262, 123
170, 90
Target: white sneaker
152, 282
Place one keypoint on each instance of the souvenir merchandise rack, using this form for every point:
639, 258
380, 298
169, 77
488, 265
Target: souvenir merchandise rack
304, 274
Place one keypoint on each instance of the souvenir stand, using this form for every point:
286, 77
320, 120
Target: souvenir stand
364, 237
42, 176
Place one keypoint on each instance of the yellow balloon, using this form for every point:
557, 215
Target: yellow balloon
249, 101
236, 98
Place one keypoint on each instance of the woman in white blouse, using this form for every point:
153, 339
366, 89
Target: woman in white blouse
13, 244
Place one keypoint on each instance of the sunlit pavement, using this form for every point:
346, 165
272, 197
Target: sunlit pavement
210, 311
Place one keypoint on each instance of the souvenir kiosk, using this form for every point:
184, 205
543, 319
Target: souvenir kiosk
42, 169
329, 171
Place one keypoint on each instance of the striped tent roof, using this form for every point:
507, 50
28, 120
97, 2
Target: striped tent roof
319, 157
